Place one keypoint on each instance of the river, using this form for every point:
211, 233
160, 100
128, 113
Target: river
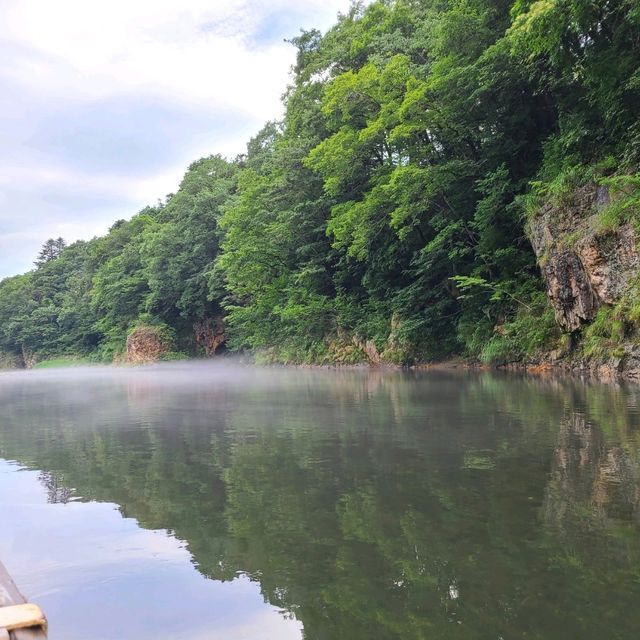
211, 501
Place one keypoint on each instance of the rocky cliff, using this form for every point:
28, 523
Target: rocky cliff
583, 266
587, 266
147, 344
209, 335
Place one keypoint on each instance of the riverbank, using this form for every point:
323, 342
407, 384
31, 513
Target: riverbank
547, 365
614, 371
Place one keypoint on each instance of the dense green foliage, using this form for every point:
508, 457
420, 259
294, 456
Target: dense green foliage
385, 213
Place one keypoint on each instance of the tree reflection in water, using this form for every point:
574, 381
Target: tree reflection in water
368, 505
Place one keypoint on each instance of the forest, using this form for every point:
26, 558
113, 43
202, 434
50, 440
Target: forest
390, 216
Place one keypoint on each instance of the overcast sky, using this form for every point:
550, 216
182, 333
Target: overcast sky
104, 103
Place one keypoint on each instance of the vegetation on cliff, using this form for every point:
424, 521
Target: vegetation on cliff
388, 216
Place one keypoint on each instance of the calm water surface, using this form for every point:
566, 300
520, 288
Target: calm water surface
204, 501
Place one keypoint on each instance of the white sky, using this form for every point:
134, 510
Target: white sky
103, 104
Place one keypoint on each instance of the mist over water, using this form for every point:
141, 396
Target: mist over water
217, 500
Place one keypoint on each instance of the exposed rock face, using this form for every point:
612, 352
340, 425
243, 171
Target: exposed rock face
210, 334
583, 268
631, 365
570, 290
146, 344
368, 347
28, 359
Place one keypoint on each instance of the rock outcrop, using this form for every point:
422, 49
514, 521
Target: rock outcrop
210, 335
147, 344
582, 266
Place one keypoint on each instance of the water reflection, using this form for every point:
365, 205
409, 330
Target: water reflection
100, 576
57, 491
366, 505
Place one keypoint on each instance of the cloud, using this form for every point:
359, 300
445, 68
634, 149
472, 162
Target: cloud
107, 135
104, 104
